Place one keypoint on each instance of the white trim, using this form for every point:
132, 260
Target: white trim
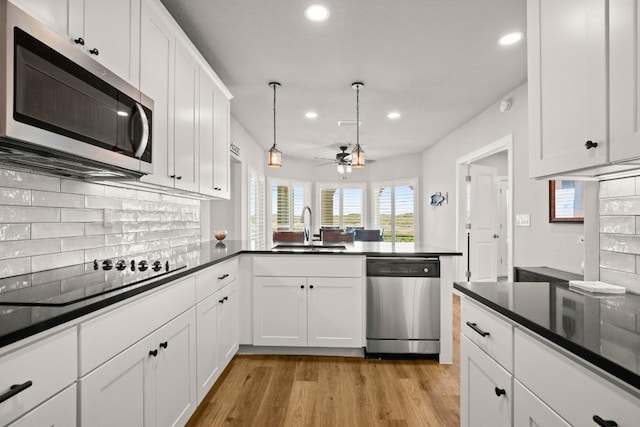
502, 144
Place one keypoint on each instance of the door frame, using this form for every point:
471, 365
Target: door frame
502, 144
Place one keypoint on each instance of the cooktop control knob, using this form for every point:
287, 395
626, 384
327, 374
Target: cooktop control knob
121, 265
143, 265
107, 264
157, 266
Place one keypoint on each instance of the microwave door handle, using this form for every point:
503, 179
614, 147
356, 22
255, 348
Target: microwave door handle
144, 138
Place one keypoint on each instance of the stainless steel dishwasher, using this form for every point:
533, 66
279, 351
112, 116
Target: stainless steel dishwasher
403, 306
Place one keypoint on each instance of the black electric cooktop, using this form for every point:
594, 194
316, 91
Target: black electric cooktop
68, 285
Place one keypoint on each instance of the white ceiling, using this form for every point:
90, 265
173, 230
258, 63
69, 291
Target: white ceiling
437, 62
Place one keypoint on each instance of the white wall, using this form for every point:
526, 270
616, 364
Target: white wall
541, 244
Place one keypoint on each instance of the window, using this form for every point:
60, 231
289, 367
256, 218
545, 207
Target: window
287, 201
341, 206
394, 210
257, 222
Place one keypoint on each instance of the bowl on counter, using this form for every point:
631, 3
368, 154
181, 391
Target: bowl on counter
220, 235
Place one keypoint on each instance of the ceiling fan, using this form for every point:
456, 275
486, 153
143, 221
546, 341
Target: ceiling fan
342, 159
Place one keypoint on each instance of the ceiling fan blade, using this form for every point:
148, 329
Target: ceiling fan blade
323, 158
324, 164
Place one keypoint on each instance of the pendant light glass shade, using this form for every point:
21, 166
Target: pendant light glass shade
275, 155
357, 155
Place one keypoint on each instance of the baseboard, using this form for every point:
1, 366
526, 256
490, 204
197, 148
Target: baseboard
302, 351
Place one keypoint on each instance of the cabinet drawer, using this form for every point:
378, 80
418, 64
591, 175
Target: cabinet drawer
215, 278
60, 411
105, 336
50, 365
571, 390
498, 341
309, 266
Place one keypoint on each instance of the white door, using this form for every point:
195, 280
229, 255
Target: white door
122, 391
485, 388
208, 368
228, 320
334, 312
503, 230
482, 215
176, 370
528, 410
280, 311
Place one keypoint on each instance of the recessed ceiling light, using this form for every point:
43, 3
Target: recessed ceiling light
393, 115
311, 115
316, 13
510, 38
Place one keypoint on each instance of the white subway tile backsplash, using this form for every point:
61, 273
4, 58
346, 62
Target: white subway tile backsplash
618, 187
618, 224
85, 242
618, 261
48, 223
29, 214
621, 206
102, 203
24, 248
628, 280
15, 179
81, 187
82, 215
56, 260
60, 200
15, 232
15, 196
620, 243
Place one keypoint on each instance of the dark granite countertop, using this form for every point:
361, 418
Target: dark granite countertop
19, 322
604, 331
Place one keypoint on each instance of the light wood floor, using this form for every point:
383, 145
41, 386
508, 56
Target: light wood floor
275, 391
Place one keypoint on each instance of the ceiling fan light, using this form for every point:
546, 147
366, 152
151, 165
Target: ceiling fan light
357, 157
348, 169
340, 169
275, 157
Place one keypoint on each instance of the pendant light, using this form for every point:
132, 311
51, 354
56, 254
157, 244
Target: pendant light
275, 155
357, 155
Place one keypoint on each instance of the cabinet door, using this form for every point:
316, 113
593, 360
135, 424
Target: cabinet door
567, 69
122, 391
624, 54
157, 50
206, 128
485, 389
528, 410
185, 142
60, 411
63, 16
221, 129
228, 329
208, 368
112, 36
176, 370
334, 312
280, 311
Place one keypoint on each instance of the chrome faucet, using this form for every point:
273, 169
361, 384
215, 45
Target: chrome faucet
307, 231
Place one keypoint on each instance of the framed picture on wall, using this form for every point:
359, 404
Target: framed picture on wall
566, 201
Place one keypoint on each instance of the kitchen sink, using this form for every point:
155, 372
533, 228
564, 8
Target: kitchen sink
310, 248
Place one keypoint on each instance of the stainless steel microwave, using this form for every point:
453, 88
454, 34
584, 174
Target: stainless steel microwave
64, 113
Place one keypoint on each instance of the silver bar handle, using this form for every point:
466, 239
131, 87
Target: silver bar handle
144, 139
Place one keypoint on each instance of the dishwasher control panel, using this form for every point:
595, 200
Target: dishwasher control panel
402, 267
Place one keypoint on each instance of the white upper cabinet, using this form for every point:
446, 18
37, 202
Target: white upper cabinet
624, 42
214, 138
568, 99
157, 50
185, 141
109, 31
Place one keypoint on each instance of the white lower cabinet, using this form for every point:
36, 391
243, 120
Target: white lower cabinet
151, 383
217, 335
486, 388
528, 410
59, 411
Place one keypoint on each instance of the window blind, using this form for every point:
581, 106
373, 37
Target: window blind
257, 214
341, 206
394, 211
